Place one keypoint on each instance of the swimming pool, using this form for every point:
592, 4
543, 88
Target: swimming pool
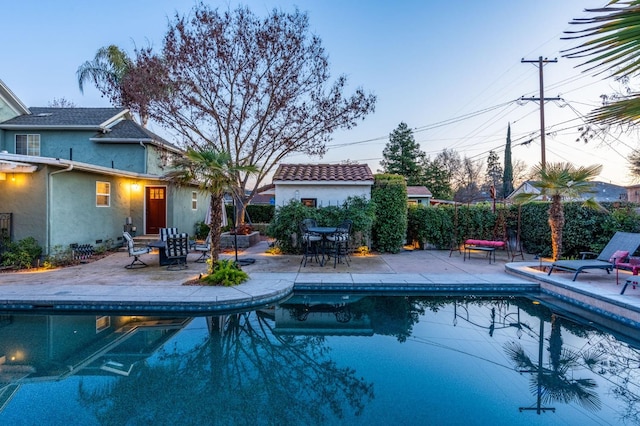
322, 359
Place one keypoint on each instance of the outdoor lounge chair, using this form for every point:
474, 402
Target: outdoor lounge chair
136, 252
621, 242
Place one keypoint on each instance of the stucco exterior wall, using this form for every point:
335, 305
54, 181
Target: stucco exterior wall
23, 197
326, 193
75, 145
74, 216
179, 211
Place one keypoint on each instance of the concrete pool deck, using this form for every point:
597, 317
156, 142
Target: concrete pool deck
106, 285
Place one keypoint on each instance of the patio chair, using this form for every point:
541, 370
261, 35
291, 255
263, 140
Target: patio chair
340, 239
165, 232
177, 250
204, 249
310, 242
621, 242
135, 252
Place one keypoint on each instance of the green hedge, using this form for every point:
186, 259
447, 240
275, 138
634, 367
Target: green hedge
585, 229
390, 193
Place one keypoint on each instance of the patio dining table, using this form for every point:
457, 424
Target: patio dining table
161, 246
324, 232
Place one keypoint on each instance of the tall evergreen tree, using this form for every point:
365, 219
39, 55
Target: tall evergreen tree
436, 178
402, 155
507, 177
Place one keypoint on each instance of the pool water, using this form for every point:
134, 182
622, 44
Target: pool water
322, 359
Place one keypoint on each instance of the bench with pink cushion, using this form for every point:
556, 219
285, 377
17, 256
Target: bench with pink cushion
488, 246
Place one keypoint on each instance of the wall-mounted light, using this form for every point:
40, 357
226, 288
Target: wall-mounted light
13, 177
135, 186
297, 195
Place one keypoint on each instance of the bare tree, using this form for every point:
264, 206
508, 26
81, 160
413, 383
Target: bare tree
61, 103
256, 88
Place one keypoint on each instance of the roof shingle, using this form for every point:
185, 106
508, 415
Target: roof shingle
65, 117
326, 172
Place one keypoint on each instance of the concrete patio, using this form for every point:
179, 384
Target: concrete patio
106, 284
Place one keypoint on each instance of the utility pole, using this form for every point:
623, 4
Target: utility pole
541, 63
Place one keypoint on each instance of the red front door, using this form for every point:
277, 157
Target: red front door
156, 209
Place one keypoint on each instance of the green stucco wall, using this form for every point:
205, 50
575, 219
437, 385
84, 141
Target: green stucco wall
24, 198
76, 219
179, 211
75, 145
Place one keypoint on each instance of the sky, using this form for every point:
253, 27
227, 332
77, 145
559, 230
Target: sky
451, 70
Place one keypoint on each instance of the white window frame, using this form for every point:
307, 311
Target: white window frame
32, 144
99, 194
194, 200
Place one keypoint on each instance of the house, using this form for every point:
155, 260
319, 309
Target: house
321, 185
79, 175
418, 195
633, 193
265, 195
602, 192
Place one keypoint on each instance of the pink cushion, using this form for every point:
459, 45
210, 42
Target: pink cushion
484, 243
619, 256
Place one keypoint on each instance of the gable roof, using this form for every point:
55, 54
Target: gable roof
418, 191
128, 131
323, 172
66, 118
11, 100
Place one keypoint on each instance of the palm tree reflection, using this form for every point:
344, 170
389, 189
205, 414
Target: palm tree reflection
556, 383
242, 373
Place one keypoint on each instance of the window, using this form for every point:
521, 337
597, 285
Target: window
309, 202
156, 193
102, 323
194, 200
103, 194
28, 145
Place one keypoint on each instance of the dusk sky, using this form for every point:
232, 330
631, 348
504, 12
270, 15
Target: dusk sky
451, 70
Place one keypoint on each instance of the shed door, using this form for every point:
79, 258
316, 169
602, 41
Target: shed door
156, 209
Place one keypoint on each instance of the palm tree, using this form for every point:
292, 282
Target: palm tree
612, 46
107, 71
215, 174
559, 181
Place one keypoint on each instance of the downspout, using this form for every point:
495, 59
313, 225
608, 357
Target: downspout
145, 156
49, 181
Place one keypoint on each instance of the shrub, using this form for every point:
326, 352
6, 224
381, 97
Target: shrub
284, 227
390, 228
226, 273
59, 257
21, 254
259, 213
202, 230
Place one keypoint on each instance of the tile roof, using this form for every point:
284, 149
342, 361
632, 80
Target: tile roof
418, 191
64, 117
324, 172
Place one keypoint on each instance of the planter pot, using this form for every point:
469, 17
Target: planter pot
228, 240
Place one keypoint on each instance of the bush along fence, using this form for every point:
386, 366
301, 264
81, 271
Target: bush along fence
444, 227
284, 226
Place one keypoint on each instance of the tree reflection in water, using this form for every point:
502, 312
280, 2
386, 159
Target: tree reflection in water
246, 372
242, 373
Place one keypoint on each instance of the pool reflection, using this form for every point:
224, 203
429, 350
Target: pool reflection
320, 359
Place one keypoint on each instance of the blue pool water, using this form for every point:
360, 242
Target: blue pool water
322, 359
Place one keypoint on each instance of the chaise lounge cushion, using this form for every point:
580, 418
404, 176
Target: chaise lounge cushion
619, 256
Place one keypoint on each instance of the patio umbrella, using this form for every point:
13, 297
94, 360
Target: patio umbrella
224, 222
